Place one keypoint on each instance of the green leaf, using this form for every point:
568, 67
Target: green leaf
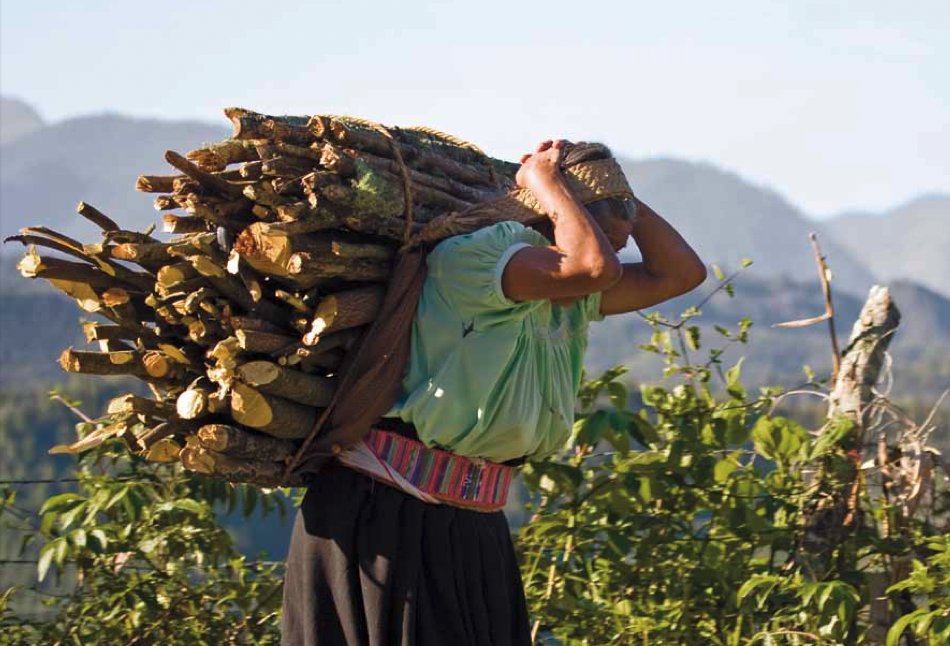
762, 436
692, 336
745, 262
717, 271
593, 428
734, 373
61, 502
192, 506
618, 395
100, 537
737, 431
894, 634
46, 559
834, 435
78, 537
723, 469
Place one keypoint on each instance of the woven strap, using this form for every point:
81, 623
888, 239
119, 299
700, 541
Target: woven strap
432, 475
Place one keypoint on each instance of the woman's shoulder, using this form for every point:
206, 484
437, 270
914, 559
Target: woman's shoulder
496, 237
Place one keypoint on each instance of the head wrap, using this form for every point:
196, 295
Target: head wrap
591, 172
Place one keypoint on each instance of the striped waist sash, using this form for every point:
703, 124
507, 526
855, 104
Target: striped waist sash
432, 475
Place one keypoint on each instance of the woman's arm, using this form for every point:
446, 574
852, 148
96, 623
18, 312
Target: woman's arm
669, 268
581, 262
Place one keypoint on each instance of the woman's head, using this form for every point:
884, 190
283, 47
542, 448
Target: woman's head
615, 217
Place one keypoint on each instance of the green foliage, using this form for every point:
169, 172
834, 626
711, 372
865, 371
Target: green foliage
681, 520
929, 579
146, 560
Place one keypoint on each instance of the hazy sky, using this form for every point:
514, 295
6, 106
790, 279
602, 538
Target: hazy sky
837, 105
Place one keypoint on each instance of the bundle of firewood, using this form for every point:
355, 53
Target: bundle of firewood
283, 242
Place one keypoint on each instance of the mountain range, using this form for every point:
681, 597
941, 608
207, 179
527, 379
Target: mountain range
47, 168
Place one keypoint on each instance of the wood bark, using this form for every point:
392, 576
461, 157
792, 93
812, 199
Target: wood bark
270, 414
206, 179
294, 385
237, 470
343, 310
183, 223
264, 342
166, 430
103, 363
156, 183
97, 217
242, 443
134, 404
218, 156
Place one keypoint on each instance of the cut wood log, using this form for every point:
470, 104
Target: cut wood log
159, 366
102, 363
264, 342
273, 415
151, 256
33, 265
310, 359
252, 171
136, 405
233, 215
207, 180
183, 223
170, 429
199, 401
217, 157
175, 273
232, 469
121, 236
270, 378
164, 450
272, 252
348, 136
241, 443
103, 332
167, 203
238, 322
251, 125
307, 270
284, 166
97, 217
343, 310
140, 280
156, 183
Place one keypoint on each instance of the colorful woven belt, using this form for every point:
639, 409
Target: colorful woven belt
433, 475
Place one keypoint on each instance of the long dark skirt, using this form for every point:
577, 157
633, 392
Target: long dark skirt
372, 566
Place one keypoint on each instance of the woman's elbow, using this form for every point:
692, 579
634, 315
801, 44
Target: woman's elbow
688, 278
696, 275
604, 273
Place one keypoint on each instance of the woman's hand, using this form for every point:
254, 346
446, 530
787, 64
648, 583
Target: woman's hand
542, 166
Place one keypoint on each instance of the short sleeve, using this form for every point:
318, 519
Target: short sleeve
467, 269
590, 307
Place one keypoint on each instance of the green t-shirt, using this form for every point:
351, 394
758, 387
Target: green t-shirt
490, 377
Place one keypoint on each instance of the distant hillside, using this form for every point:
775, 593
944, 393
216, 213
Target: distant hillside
909, 242
44, 174
726, 219
776, 355
16, 120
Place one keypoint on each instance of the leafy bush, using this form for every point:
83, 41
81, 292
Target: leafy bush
694, 514
147, 561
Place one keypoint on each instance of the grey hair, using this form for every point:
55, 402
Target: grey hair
615, 208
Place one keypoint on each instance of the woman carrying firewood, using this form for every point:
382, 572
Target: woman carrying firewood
403, 540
